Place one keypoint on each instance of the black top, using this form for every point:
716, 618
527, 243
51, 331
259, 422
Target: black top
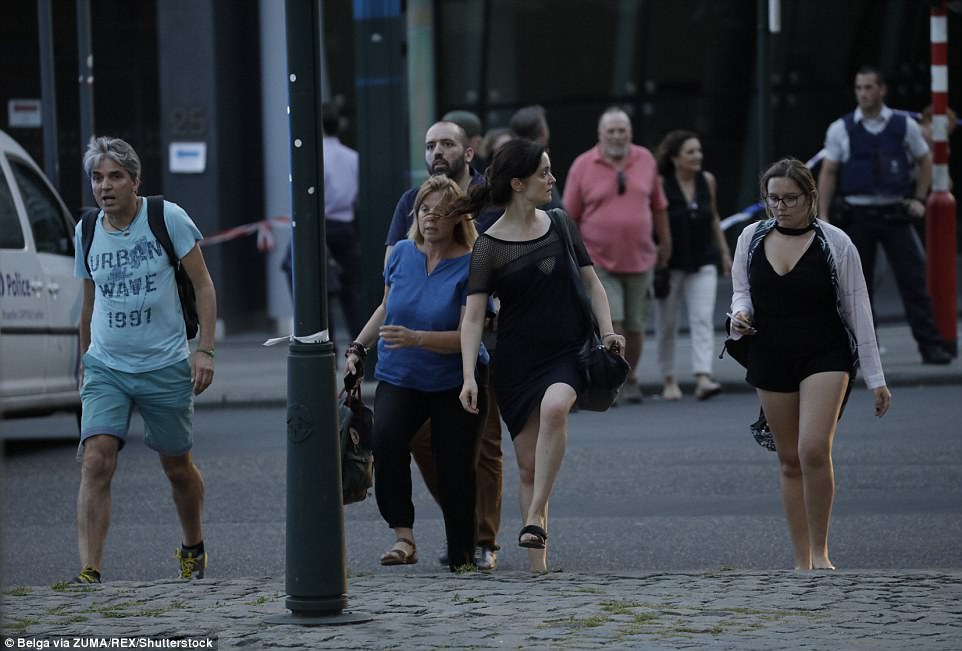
541, 323
799, 329
802, 293
540, 315
691, 225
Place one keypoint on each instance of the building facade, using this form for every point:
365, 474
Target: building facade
173, 76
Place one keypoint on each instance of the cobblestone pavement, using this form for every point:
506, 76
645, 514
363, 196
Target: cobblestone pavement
511, 610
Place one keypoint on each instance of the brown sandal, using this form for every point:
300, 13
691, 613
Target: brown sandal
397, 555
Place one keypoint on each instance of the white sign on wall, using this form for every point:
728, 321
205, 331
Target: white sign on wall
24, 113
188, 157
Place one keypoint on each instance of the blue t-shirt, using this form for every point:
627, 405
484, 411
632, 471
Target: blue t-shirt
422, 301
137, 324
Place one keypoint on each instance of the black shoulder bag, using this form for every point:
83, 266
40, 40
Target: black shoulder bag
605, 371
737, 349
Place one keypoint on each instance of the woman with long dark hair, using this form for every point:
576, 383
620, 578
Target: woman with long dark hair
698, 245
522, 259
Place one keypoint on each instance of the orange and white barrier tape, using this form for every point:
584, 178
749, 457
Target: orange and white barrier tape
263, 228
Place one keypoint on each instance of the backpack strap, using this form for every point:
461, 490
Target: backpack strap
155, 218
88, 226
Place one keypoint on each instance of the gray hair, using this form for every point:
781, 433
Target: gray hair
116, 150
613, 110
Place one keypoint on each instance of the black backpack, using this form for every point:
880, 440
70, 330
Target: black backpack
155, 218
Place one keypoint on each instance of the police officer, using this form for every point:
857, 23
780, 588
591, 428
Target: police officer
870, 157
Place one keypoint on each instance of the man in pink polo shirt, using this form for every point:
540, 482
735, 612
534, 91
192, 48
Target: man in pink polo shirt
614, 195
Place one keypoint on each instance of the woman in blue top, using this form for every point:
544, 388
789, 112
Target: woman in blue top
419, 374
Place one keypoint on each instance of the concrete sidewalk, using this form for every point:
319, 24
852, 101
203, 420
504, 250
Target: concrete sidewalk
248, 373
503, 610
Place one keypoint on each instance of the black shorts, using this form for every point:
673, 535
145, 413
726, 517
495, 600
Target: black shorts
782, 368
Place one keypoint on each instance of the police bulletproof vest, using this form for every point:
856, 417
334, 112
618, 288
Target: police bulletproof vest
877, 163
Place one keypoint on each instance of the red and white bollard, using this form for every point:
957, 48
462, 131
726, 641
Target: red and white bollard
940, 235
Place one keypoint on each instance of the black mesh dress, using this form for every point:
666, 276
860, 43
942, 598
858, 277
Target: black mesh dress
541, 324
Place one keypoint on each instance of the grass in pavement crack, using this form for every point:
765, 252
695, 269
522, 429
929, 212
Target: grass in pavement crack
619, 607
20, 626
18, 591
133, 609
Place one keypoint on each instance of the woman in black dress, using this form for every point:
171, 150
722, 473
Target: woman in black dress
799, 293
521, 259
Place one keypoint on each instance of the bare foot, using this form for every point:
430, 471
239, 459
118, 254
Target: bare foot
538, 561
823, 564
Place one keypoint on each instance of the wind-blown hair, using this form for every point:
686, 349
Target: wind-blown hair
465, 232
116, 150
516, 159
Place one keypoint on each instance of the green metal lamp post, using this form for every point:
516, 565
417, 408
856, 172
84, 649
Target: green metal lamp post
316, 580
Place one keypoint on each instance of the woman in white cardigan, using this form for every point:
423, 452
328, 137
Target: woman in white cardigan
800, 295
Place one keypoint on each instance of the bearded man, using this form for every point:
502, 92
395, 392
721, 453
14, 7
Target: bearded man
615, 196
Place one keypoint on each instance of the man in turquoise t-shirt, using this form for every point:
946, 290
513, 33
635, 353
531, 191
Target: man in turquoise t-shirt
135, 351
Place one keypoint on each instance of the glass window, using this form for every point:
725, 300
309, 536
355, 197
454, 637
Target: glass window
51, 233
11, 234
678, 65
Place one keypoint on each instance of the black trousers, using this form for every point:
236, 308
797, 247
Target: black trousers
345, 249
870, 226
455, 436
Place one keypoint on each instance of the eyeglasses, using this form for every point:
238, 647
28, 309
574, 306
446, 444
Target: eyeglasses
621, 181
790, 200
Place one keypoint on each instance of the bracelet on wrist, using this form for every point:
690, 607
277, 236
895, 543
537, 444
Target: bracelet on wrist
356, 348
206, 351
608, 334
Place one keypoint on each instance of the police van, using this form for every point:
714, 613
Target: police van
40, 299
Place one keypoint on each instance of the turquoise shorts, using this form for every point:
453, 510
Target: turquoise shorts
163, 397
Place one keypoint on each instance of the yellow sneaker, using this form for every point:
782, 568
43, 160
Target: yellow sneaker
191, 566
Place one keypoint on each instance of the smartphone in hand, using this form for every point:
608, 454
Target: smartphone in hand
744, 325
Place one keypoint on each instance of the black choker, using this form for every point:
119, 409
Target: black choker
784, 230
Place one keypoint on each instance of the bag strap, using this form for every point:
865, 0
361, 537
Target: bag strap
88, 226
155, 219
560, 220
351, 391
